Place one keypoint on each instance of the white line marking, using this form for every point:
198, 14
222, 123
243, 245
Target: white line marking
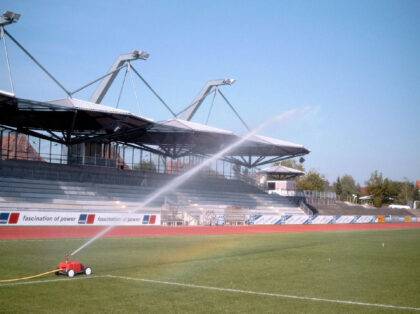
278, 295
35, 282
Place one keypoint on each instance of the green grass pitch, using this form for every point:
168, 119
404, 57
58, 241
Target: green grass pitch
374, 267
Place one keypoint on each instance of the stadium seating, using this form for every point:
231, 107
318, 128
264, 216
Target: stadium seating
41, 186
93, 174
342, 208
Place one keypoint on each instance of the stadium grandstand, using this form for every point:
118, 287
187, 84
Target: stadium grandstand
76, 155
83, 156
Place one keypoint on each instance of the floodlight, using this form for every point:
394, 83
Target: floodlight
140, 54
229, 81
9, 17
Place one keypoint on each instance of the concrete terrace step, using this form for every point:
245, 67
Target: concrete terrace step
81, 185
216, 194
42, 170
126, 192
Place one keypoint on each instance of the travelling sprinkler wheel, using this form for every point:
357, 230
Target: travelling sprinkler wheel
70, 273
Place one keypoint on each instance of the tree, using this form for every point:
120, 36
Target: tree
387, 191
407, 192
313, 181
346, 187
338, 188
376, 188
391, 189
291, 163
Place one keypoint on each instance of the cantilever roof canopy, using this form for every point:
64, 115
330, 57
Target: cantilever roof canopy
194, 126
177, 137
269, 146
282, 172
72, 121
70, 116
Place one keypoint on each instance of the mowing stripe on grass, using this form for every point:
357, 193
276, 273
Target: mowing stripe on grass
187, 285
35, 282
278, 295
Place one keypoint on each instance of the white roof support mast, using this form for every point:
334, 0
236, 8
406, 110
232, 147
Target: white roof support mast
6, 19
189, 112
106, 83
9, 18
211, 86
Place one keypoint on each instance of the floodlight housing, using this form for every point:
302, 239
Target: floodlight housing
140, 55
229, 81
9, 17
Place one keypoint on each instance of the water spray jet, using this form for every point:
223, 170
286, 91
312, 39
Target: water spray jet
174, 183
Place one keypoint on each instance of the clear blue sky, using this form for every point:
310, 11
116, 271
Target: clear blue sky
356, 63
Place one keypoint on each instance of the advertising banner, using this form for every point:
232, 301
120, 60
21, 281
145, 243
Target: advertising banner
407, 219
44, 218
296, 220
324, 219
344, 219
265, 219
364, 219
381, 219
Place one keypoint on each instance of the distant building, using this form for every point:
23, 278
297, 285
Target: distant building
418, 184
279, 178
17, 147
364, 190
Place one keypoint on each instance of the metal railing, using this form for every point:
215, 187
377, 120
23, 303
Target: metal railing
18, 146
305, 208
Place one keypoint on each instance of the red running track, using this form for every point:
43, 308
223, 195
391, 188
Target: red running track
50, 232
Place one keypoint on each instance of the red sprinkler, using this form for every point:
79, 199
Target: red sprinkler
72, 268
